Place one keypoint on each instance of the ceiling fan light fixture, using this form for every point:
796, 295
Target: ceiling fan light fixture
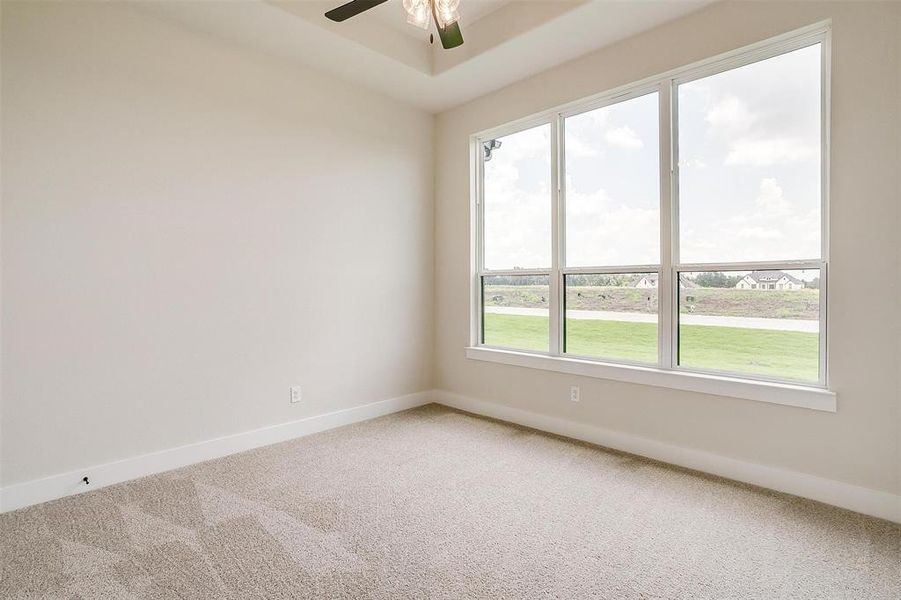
446, 12
419, 13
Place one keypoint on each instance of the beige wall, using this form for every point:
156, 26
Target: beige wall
188, 230
859, 444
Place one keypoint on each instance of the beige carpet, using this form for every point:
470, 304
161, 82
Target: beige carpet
433, 503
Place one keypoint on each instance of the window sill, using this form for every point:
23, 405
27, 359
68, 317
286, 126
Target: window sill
763, 391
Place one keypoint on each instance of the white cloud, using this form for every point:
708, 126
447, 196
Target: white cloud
593, 119
771, 199
730, 115
583, 205
601, 231
766, 152
774, 228
760, 233
690, 163
623, 137
576, 147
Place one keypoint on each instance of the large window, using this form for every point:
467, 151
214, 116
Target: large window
678, 224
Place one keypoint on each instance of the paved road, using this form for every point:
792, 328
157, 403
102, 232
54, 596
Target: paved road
603, 315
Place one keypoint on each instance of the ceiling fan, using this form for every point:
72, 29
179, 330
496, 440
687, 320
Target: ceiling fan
419, 13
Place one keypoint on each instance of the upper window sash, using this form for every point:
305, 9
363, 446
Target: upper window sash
815, 35
806, 36
610, 220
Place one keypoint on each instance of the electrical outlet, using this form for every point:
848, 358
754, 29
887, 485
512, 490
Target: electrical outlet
295, 394
574, 393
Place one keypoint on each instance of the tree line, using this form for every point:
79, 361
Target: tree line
713, 279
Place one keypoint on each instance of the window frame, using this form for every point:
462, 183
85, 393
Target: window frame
666, 372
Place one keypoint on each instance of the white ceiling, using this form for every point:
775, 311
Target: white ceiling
505, 40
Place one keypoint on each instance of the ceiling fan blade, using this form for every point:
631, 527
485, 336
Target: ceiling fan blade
352, 9
451, 37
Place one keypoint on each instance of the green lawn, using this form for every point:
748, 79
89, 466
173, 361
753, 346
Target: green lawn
784, 354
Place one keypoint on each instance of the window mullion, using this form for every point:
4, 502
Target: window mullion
557, 238
477, 235
665, 296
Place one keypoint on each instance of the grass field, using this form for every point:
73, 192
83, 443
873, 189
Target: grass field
783, 354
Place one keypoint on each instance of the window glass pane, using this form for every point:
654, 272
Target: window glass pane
517, 217
612, 185
516, 312
757, 322
612, 316
749, 162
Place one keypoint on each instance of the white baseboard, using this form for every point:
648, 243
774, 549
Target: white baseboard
859, 499
863, 500
67, 484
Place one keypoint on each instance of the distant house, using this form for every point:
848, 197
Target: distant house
769, 280
647, 281
650, 281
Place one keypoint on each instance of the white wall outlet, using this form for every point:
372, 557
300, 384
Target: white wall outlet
295, 394
574, 393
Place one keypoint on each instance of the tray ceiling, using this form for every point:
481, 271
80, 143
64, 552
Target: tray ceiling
505, 40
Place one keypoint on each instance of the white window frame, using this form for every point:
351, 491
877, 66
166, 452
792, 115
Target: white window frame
667, 372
